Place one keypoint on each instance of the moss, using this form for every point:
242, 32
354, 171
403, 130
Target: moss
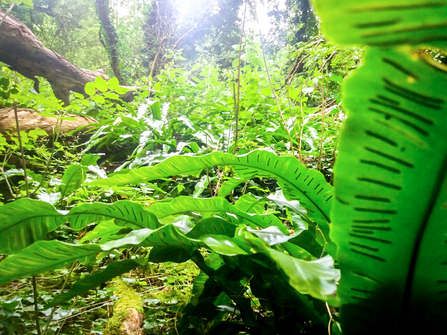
128, 299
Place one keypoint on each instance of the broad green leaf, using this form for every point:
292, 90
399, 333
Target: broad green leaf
156, 110
390, 213
72, 179
228, 186
111, 96
385, 23
201, 185
298, 183
163, 236
101, 84
44, 256
89, 159
121, 90
250, 204
113, 83
168, 253
307, 241
317, 278
106, 231
125, 214
25, 221
271, 235
214, 205
212, 226
224, 246
113, 270
99, 99
90, 88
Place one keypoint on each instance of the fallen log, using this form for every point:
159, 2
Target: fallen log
29, 120
26, 54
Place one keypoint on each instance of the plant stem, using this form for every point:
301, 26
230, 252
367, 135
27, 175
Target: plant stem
6, 14
50, 317
36, 307
275, 96
236, 129
323, 117
301, 128
47, 165
21, 148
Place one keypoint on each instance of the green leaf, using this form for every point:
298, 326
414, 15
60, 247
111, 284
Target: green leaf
389, 219
267, 91
25, 221
113, 84
385, 23
166, 235
72, 180
212, 226
113, 270
111, 96
168, 253
90, 88
228, 186
89, 159
121, 90
99, 99
44, 256
125, 214
156, 110
250, 204
317, 278
298, 183
106, 231
224, 246
101, 84
214, 205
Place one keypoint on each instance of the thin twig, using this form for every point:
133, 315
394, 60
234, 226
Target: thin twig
328, 59
292, 115
21, 148
323, 118
36, 306
50, 317
301, 127
275, 96
236, 130
6, 14
157, 55
7, 180
47, 166
183, 36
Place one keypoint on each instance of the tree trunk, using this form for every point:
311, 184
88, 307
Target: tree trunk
26, 54
102, 7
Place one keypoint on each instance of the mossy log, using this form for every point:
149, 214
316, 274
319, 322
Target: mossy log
127, 318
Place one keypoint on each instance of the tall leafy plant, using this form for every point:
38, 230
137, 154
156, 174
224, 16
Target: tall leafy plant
389, 217
290, 274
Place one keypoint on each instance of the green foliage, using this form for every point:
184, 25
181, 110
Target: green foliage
388, 219
22, 227
268, 235
229, 236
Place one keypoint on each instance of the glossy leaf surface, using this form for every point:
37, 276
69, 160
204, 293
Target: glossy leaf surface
389, 217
